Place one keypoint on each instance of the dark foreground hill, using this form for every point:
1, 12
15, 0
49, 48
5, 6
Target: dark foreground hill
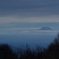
51, 52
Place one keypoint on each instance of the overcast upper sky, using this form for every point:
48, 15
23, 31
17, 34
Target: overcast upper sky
29, 11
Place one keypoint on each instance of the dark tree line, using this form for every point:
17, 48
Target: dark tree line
6, 52
51, 52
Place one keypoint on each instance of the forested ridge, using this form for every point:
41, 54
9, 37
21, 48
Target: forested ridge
50, 52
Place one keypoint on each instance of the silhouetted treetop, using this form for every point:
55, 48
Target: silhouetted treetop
6, 52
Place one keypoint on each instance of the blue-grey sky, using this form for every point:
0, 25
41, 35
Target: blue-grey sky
29, 11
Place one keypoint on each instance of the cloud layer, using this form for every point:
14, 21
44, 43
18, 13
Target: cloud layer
29, 11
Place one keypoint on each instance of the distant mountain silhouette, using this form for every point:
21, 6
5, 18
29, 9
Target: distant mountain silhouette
45, 28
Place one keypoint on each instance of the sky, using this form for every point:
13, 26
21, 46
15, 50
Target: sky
29, 11
26, 17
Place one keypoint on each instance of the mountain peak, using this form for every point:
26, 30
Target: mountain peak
45, 28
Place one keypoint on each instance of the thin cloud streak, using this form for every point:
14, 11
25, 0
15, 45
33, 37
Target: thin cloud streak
54, 18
